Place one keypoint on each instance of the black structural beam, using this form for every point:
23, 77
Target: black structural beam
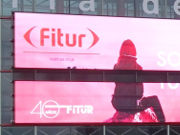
84, 75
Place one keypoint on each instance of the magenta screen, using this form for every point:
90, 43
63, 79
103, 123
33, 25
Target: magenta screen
95, 102
95, 42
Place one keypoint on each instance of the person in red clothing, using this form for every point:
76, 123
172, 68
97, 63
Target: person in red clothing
128, 98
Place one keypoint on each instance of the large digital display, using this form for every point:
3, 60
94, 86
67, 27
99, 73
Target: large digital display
95, 42
96, 102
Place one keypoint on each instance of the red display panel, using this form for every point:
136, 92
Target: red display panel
94, 42
94, 102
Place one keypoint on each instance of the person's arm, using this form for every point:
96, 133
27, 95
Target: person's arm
153, 101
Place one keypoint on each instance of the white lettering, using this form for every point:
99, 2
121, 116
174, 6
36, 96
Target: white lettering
171, 59
155, 9
51, 109
174, 59
162, 85
161, 56
15, 4
52, 4
68, 109
51, 112
87, 5
76, 108
177, 7
89, 109
172, 86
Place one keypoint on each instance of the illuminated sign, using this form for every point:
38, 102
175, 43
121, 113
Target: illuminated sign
95, 102
89, 5
94, 42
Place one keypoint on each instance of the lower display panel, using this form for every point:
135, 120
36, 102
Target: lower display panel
43, 102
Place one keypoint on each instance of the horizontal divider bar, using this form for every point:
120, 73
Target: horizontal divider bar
85, 75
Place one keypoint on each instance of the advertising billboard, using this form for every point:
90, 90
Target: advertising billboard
95, 42
40, 102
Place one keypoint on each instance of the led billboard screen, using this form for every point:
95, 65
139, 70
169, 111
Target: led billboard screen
95, 42
95, 102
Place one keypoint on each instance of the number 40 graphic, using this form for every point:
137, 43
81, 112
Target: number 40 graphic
49, 109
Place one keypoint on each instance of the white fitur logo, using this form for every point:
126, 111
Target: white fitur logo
51, 109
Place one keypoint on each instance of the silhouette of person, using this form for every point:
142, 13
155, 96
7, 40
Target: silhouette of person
128, 98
